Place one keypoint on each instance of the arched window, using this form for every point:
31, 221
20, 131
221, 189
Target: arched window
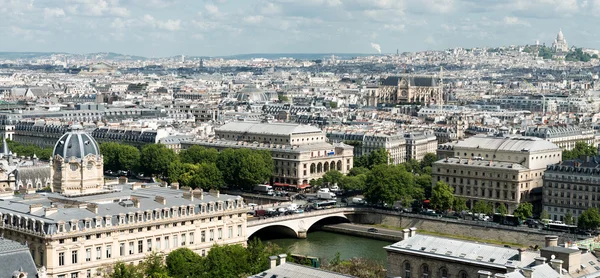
443, 272
407, 270
425, 271
463, 274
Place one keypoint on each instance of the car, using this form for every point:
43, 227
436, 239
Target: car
372, 230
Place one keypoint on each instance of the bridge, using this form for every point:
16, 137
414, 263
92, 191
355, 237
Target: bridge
297, 225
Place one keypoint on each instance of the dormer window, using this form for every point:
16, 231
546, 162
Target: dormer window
88, 224
108, 220
140, 217
121, 219
61, 227
74, 226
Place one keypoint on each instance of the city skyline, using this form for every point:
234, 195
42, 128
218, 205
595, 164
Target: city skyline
160, 28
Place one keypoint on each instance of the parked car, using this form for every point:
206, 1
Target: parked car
372, 230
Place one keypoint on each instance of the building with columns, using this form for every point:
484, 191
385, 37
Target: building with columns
86, 225
301, 153
498, 169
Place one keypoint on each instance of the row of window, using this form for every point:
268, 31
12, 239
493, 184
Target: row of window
160, 243
425, 272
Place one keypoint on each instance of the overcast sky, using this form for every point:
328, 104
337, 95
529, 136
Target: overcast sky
155, 28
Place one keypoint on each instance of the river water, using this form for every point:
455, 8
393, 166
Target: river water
324, 245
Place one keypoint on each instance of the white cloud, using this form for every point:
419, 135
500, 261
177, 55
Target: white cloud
168, 25
97, 8
53, 12
512, 20
253, 19
271, 9
395, 27
429, 40
212, 9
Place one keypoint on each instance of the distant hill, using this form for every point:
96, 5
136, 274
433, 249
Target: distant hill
299, 56
26, 55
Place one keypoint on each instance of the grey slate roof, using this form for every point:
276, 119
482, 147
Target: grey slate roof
267, 128
292, 270
514, 143
76, 144
15, 256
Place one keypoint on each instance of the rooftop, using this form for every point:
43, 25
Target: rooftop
512, 143
267, 128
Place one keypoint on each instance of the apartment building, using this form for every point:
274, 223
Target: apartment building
86, 225
571, 186
564, 136
300, 152
497, 169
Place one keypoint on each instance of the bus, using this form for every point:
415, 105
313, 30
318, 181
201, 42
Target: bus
324, 204
561, 228
508, 219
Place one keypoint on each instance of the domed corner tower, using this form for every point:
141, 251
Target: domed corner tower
77, 167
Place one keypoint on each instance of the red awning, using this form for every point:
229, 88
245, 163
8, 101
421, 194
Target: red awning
281, 184
305, 185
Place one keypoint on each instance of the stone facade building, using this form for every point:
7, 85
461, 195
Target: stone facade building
300, 152
571, 186
87, 225
563, 136
406, 89
500, 170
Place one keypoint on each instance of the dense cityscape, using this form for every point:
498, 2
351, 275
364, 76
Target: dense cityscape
465, 162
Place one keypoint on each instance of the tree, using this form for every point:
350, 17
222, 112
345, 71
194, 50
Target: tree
122, 270
502, 210
357, 267
355, 171
156, 159
442, 196
227, 261
333, 105
353, 182
589, 219
483, 207
119, 156
580, 149
545, 215
259, 253
524, 210
422, 186
569, 219
428, 160
184, 263
245, 167
29, 150
199, 154
332, 177
388, 183
460, 204
376, 157
153, 266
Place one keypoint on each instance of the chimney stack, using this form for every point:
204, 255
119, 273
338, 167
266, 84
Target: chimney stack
510, 267
484, 274
273, 261
93, 208
136, 202
557, 265
215, 193
551, 241
160, 200
50, 211
412, 231
198, 194
540, 260
188, 196
282, 259
35, 208
527, 272
175, 185
405, 234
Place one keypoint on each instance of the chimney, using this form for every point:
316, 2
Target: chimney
136, 186
282, 259
527, 272
484, 274
273, 260
160, 200
136, 202
123, 180
215, 193
93, 208
557, 265
175, 185
540, 260
405, 233
50, 211
412, 231
35, 208
198, 194
188, 196
520, 254
551, 241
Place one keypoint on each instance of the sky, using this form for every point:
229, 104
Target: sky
159, 28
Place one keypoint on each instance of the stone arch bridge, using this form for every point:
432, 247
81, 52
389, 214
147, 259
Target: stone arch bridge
298, 224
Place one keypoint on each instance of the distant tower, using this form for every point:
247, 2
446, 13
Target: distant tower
201, 63
397, 52
537, 42
182, 59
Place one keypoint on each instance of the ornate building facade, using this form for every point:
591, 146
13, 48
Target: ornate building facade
560, 43
406, 89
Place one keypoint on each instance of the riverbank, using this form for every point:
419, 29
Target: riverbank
389, 235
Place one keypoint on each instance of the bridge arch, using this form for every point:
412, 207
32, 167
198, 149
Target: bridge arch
298, 223
273, 231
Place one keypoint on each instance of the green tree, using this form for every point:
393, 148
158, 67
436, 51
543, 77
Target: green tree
442, 196
153, 266
569, 219
377, 157
29, 150
502, 210
333, 105
413, 166
353, 182
245, 167
227, 261
122, 270
388, 183
422, 186
545, 215
589, 219
176, 171
357, 267
355, 171
156, 159
523, 210
483, 207
283, 98
199, 154
184, 263
259, 253
206, 176
119, 156
580, 149
332, 177
460, 204
428, 160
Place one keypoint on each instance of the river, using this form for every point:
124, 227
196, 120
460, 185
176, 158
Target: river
324, 245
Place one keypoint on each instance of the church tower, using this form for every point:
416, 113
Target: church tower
77, 167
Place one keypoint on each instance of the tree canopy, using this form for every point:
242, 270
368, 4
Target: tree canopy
589, 219
442, 196
523, 210
388, 183
245, 167
580, 149
156, 159
119, 156
29, 150
199, 154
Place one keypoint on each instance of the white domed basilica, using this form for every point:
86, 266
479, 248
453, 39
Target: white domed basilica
77, 167
560, 43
